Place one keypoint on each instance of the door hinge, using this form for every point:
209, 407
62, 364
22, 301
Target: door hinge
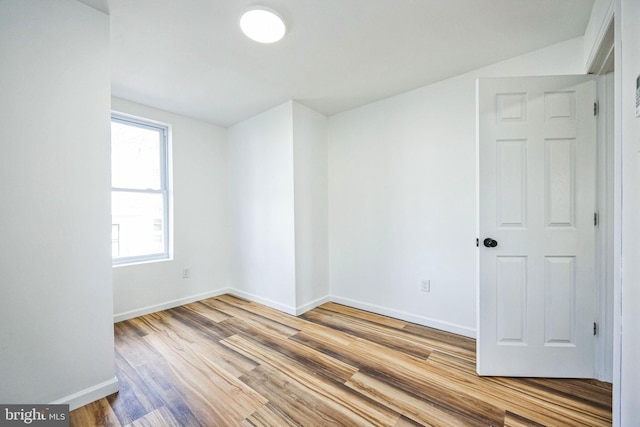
595, 219
477, 242
595, 328
595, 108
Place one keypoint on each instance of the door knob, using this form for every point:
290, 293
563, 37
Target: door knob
490, 243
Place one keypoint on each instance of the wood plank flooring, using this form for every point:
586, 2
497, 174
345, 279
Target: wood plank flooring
226, 361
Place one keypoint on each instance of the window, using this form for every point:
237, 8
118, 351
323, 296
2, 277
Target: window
139, 193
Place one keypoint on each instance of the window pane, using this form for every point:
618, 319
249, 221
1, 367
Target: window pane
135, 156
137, 224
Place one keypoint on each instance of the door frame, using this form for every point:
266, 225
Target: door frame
603, 359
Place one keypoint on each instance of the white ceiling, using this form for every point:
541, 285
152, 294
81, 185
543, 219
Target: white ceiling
189, 56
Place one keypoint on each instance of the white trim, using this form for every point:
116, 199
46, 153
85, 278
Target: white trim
595, 53
301, 309
294, 311
269, 303
603, 366
89, 394
135, 118
167, 305
409, 317
616, 407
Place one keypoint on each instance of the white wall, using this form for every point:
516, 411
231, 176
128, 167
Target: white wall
56, 305
200, 222
311, 207
628, 140
261, 208
402, 196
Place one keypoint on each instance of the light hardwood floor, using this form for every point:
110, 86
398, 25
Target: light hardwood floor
226, 361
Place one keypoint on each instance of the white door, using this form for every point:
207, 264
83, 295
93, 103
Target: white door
537, 168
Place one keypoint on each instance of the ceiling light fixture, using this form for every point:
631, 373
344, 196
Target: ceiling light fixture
262, 25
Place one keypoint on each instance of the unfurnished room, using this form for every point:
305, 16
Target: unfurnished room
319, 213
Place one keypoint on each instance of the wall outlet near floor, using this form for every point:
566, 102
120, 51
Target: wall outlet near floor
425, 286
186, 273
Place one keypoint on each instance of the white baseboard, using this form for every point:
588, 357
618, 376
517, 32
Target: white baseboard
294, 311
409, 317
166, 305
90, 394
269, 303
311, 305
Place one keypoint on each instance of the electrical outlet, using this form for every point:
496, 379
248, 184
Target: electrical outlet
425, 286
186, 273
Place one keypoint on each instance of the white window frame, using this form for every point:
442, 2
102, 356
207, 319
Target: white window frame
165, 132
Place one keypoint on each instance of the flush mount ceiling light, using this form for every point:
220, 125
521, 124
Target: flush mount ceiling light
262, 25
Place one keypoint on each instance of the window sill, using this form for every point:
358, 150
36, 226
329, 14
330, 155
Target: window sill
140, 261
